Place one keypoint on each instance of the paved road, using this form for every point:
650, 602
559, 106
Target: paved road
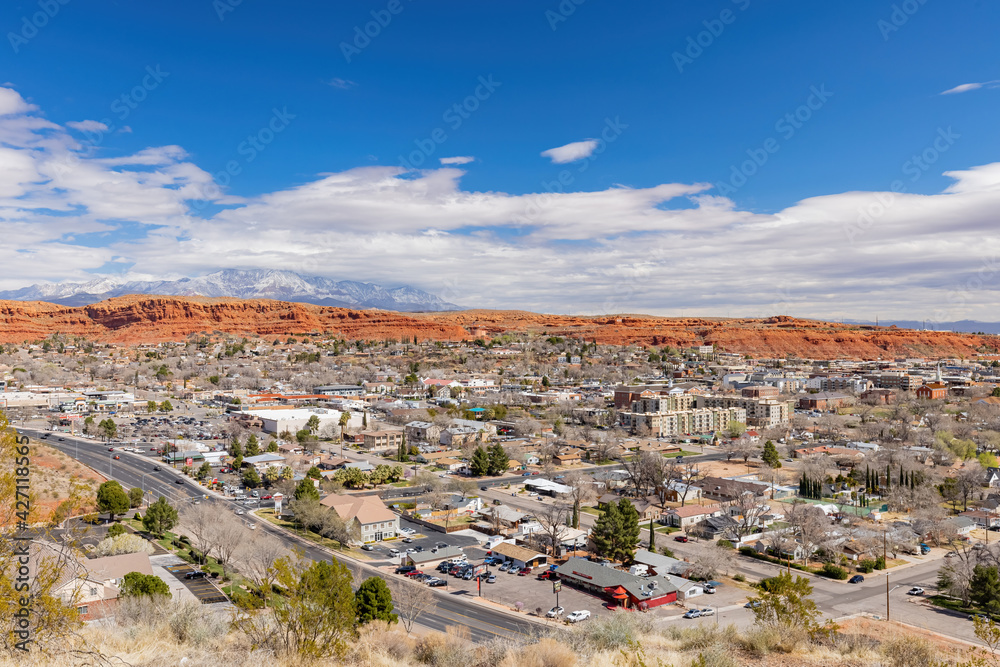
452, 609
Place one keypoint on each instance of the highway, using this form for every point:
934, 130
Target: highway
452, 609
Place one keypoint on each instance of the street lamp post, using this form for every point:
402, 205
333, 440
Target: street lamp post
887, 591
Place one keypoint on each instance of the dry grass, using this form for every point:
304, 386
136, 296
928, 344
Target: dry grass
148, 634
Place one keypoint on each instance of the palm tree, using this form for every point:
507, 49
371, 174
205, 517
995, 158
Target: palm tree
345, 417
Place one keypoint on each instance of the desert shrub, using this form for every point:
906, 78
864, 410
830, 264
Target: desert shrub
448, 650
855, 644
702, 637
610, 633
191, 623
834, 571
908, 652
739, 577
715, 656
546, 653
761, 640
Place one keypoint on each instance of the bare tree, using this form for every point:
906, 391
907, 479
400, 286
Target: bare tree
811, 525
750, 509
712, 560
412, 601
230, 533
256, 557
199, 521
583, 491
553, 522
970, 479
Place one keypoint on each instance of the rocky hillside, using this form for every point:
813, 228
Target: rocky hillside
137, 319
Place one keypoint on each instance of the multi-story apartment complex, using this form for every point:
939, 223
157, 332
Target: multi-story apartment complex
894, 380
760, 412
682, 422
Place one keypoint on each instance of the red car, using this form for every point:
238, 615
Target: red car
548, 574
413, 574
524, 571
681, 538
111, 449
116, 457
267, 497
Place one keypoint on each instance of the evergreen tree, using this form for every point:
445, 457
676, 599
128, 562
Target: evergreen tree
652, 537
136, 584
984, 589
305, 489
111, 498
480, 462
253, 446
235, 448
160, 517
499, 461
770, 455
373, 601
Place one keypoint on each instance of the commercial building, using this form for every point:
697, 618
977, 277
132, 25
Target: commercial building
628, 589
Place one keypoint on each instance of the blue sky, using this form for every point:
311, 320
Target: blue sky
665, 215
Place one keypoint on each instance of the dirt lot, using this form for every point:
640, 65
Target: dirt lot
55, 478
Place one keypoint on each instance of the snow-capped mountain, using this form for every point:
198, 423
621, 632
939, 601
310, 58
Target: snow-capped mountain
242, 284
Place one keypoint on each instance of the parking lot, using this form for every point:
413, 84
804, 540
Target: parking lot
203, 589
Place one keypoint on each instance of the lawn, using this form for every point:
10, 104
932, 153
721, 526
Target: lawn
268, 515
953, 604
593, 511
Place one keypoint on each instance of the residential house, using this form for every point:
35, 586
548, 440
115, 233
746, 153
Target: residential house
264, 461
374, 520
383, 440
421, 431
464, 504
720, 488
676, 491
689, 515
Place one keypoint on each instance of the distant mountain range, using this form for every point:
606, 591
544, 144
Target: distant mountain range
963, 326
242, 284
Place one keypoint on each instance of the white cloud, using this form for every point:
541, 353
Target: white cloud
615, 250
966, 87
459, 159
343, 84
87, 125
11, 103
571, 152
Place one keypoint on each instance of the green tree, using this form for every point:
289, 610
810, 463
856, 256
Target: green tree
166, 406
616, 531
116, 529
286, 473
306, 489
312, 424
150, 406
480, 462
253, 446
499, 461
109, 429
786, 601
204, 471
134, 497
160, 517
272, 446
271, 475
373, 601
545, 381
735, 429
235, 448
137, 584
770, 455
652, 537
251, 478
315, 473
111, 498
984, 588
345, 418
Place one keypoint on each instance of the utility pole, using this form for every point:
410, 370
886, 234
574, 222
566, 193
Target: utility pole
887, 596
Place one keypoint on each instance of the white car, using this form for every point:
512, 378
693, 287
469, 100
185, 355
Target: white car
708, 611
577, 616
555, 611
916, 590
693, 613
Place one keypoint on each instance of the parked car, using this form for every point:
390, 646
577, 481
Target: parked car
407, 540
856, 579
393, 552
916, 590
554, 612
505, 566
468, 575
492, 579
414, 574
709, 588
267, 497
156, 468
524, 571
752, 604
367, 547
239, 512
577, 616
403, 569
692, 613
548, 574
195, 574
437, 582
681, 538
708, 611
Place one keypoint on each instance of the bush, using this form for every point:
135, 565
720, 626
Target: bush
866, 565
834, 571
908, 652
748, 551
138, 517
880, 563
739, 577
725, 544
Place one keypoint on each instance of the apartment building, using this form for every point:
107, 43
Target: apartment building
894, 380
760, 412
